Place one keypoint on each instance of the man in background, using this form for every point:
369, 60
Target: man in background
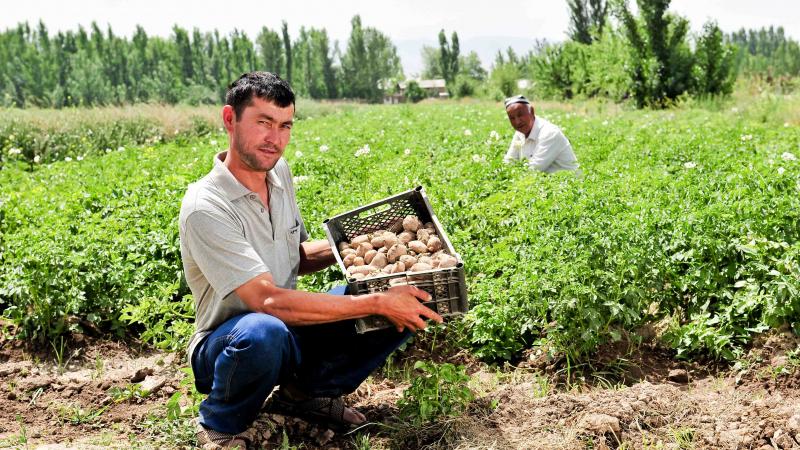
538, 142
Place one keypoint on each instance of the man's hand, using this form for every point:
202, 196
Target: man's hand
401, 305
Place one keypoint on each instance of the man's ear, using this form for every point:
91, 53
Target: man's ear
228, 117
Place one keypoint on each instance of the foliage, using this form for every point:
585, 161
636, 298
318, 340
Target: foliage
369, 58
43, 136
688, 215
587, 19
504, 80
714, 63
661, 59
766, 51
414, 93
98, 68
448, 57
558, 69
438, 391
83, 241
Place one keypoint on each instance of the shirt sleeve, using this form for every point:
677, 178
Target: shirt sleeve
547, 150
221, 252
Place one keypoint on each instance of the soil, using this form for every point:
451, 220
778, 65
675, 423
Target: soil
632, 397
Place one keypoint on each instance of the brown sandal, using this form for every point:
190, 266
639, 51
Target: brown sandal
326, 411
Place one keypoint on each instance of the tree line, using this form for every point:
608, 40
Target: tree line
650, 57
97, 67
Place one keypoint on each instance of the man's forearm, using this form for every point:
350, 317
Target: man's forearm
400, 304
315, 256
297, 308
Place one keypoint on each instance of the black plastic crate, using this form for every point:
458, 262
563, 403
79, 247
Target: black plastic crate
446, 286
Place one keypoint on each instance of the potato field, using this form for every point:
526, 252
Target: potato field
681, 235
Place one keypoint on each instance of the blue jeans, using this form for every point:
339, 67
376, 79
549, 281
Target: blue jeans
240, 363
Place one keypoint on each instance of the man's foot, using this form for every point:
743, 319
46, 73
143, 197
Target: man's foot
327, 411
208, 439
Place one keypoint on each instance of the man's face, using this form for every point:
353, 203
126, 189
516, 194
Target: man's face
521, 117
261, 134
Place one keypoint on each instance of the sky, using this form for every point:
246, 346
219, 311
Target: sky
483, 27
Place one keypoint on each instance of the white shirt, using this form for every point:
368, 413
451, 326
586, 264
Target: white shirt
545, 148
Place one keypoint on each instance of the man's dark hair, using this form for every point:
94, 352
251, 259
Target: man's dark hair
264, 85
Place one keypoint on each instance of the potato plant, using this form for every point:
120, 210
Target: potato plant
688, 217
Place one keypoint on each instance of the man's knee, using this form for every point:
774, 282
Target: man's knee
264, 336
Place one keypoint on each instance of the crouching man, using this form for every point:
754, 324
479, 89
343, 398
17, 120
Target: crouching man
538, 142
243, 244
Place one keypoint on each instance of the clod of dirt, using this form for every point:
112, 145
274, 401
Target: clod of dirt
793, 424
153, 384
600, 424
678, 376
141, 374
783, 440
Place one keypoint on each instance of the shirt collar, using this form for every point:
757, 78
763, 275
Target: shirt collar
537, 127
233, 189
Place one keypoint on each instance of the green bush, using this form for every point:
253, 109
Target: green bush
414, 93
437, 391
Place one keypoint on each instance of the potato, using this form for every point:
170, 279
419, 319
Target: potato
359, 261
363, 248
363, 269
348, 260
358, 276
419, 267
383, 250
377, 241
434, 244
406, 236
389, 239
369, 256
408, 260
343, 246
347, 251
418, 247
423, 235
426, 260
388, 269
396, 252
444, 261
379, 260
411, 223
359, 239
429, 226
398, 267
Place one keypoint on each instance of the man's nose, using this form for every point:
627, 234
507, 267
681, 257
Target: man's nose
271, 135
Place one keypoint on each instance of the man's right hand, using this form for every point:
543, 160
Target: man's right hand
401, 305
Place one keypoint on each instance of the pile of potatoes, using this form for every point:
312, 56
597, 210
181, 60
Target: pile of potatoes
417, 248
